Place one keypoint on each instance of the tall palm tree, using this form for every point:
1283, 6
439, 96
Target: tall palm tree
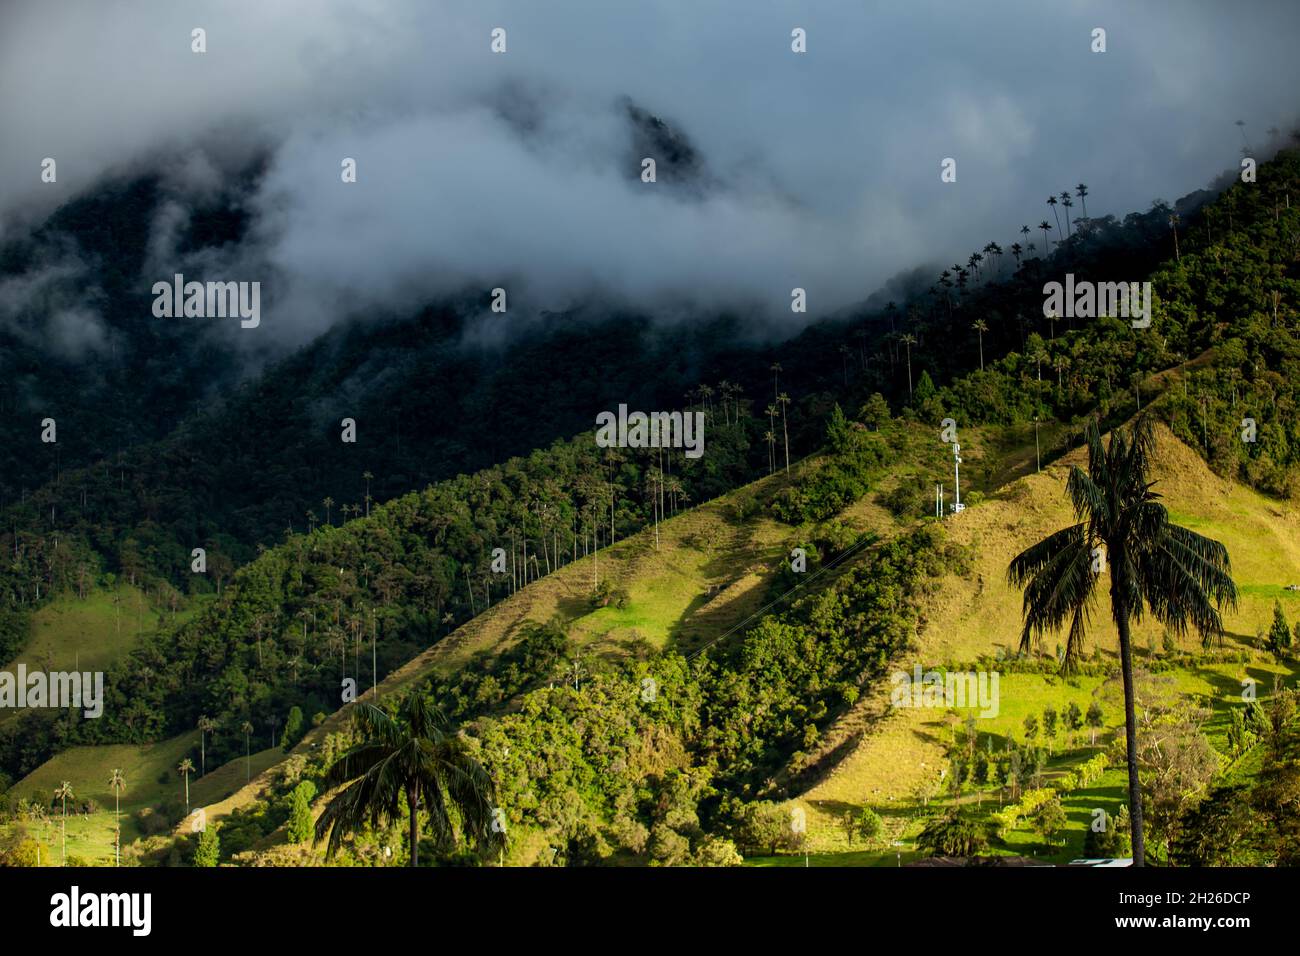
1038, 356
1051, 201
1047, 241
1067, 202
185, 768
1181, 577
206, 725
776, 371
246, 728
117, 783
981, 327
411, 752
1081, 191
1024, 231
1174, 220
909, 340
62, 794
784, 400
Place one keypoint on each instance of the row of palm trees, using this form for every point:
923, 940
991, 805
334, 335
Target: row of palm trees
64, 792
985, 264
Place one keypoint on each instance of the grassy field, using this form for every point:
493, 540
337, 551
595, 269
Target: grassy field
968, 616
89, 634
72, 633
151, 780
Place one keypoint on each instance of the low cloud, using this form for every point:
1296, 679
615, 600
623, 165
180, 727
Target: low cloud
520, 170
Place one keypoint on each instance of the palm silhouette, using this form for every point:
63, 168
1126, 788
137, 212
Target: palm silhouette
414, 753
1181, 577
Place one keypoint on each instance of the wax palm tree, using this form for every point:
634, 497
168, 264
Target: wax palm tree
206, 726
410, 753
62, 794
771, 419
1174, 220
783, 400
980, 326
1052, 201
1046, 227
117, 783
1067, 202
1081, 191
246, 728
185, 768
1181, 577
909, 340
1038, 356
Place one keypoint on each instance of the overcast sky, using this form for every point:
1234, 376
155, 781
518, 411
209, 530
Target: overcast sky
482, 169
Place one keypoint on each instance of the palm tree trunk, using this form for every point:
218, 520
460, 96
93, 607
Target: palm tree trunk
414, 829
785, 432
1130, 724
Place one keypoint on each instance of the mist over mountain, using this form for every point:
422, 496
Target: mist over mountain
520, 170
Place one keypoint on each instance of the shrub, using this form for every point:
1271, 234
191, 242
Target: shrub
953, 835
301, 826
207, 851
294, 728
